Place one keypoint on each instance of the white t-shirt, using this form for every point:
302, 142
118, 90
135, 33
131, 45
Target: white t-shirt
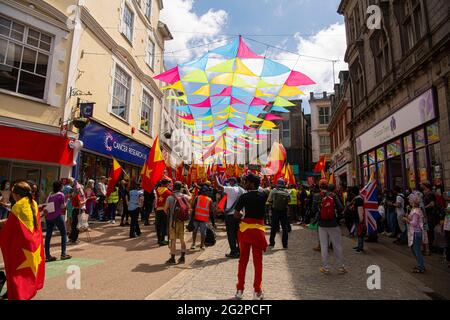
233, 194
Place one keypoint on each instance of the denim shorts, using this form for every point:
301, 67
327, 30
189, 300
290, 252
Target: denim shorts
200, 225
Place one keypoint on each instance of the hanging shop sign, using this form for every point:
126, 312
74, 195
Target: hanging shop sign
414, 114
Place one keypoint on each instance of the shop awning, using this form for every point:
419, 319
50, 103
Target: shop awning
29, 145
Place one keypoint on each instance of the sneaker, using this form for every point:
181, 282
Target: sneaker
181, 260
50, 259
324, 270
113, 221
342, 270
258, 295
164, 243
193, 247
66, 257
271, 247
239, 295
171, 261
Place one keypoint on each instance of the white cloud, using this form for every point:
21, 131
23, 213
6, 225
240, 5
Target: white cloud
196, 30
329, 43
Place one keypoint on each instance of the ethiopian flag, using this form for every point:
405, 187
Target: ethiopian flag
153, 169
23, 251
114, 176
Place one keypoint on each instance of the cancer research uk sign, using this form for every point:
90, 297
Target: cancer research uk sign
414, 114
100, 139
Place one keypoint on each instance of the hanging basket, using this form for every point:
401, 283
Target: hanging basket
80, 123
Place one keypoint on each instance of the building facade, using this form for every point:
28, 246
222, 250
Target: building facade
320, 118
293, 134
341, 164
400, 91
117, 48
35, 51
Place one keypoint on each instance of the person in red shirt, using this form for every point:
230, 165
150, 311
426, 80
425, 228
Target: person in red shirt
77, 203
162, 193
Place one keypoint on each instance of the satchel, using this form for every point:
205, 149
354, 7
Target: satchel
190, 227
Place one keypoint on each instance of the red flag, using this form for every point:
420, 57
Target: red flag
114, 176
276, 159
179, 172
320, 165
153, 170
23, 251
222, 203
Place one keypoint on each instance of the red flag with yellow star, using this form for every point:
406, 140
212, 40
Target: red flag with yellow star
114, 176
320, 165
23, 251
153, 169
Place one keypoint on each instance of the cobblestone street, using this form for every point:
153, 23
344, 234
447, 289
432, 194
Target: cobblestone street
294, 274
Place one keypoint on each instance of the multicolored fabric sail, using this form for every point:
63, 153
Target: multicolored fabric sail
231, 90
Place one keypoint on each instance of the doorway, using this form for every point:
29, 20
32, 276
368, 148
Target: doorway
395, 172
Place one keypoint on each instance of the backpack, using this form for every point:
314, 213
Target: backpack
280, 199
327, 208
181, 209
210, 238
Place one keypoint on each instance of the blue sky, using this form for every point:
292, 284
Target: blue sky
319, 28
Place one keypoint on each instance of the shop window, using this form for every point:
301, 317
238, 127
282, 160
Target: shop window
121, 95
364, 160
380, 154
381, 167
371, 157
393, 149
433, 133
419, 138
372, 169
436, 164
410, 170
422, 165
408, 143
24, 58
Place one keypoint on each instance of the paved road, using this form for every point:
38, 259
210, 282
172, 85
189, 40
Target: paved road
294, 274
116, 267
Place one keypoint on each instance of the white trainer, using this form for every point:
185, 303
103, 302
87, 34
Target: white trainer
258, 295
239, 295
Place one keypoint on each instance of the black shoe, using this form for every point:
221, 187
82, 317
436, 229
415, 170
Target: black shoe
127, 224
232, 255
355, 248
181, 260
171, 261
66, 257
133, 236
50, 259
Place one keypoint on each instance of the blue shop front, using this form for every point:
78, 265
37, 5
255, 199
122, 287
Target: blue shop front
100, 145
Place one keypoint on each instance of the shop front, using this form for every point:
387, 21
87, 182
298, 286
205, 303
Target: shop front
100, 145
341, 165
404, 149
38, 157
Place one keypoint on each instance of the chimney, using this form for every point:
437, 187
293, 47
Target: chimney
311, 96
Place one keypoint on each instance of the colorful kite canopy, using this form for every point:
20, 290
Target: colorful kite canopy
230, 93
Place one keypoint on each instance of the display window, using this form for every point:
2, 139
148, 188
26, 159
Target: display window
394, 149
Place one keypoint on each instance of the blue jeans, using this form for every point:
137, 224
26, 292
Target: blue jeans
59, 223
417, 250
392, 221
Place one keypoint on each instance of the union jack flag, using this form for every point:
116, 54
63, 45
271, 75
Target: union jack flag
370, 195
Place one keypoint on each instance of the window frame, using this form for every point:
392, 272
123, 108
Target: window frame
128, 97
145, 94
151, 55
323, 145
148, 10
126, 9
325, 116
412, 29
24, 44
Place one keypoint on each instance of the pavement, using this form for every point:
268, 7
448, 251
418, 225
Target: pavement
114, 267
293, 274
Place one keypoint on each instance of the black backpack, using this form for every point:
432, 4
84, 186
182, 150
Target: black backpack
210, 239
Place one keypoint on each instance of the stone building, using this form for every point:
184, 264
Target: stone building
320, 118
399, 76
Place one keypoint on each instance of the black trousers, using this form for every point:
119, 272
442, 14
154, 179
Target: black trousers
277, 218
232, 225
74, 232
134, 225
125, 214
161, 225
447, 250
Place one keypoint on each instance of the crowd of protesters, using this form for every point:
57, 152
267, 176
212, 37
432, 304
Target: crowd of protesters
416, 218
